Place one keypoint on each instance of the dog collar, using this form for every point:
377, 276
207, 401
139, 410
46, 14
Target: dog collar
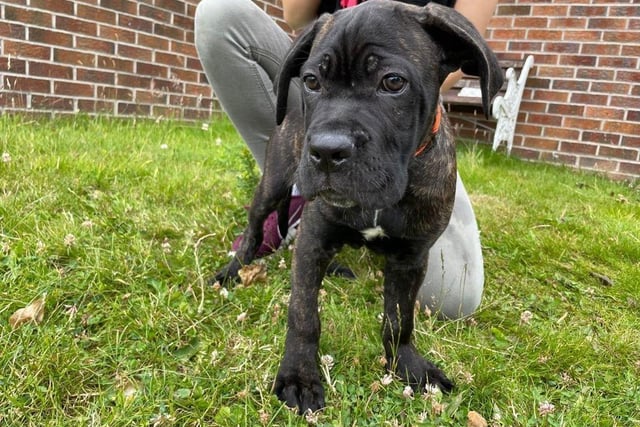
434, 130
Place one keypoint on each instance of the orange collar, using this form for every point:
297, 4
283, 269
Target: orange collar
434, 129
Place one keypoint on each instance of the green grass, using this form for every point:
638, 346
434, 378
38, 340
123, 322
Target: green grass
119, 224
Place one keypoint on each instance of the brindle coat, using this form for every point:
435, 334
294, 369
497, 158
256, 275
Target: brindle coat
370, 86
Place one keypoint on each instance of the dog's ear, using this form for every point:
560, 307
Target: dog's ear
290, 68
464, 48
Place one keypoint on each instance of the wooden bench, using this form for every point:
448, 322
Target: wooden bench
505, 107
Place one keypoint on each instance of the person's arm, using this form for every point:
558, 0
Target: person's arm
479, 13
298, 13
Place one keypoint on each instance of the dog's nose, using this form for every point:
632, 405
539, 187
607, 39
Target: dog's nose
327, 150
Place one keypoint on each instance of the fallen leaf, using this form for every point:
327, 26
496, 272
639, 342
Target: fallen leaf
604, 280
34, 312
254, 273
474, 419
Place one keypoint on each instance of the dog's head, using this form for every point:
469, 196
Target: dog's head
370, 85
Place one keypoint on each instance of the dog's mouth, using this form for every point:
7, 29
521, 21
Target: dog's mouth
337, 200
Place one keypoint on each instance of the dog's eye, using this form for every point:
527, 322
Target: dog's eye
393, 83
311, 83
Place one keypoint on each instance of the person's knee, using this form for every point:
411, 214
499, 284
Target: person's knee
217, 17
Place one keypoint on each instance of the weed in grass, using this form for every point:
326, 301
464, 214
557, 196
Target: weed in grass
119, 223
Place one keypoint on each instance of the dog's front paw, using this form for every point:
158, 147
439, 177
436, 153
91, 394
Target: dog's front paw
300, 388
417, 371
228, 274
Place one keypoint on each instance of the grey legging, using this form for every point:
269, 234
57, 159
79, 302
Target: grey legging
240, 48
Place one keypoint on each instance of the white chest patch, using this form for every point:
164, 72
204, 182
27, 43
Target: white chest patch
373, 233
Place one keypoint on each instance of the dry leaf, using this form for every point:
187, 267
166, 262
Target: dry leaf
474, 419
254, 273
34, 312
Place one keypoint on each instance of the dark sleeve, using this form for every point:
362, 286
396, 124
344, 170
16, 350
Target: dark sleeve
449, 3
328, 6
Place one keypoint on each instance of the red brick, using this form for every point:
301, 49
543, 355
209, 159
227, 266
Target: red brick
598, 164
125, 6
95, 45
625, 101
95, 76
45, 36
571, 85
601, 137
628, 76
26, 50
568, 22
541, 143
504, 9
578, 148
530, 22
545, 119
12, 30
154, 13
154, 42
134, 81
604, 113
115, 93
560, 47
184, 22
608, 23
536, 34
59, 6
10, 99
51, 103
27, 84
508, 34
15, 65
595, 74
130, 109
555, 157
600, 49
566, 109
95, 14
169, 59
552, 95
146, 69
168, 31
633, 115
173, 5
134, 23
555, 72
582, 36
631, 50
47, 69
117, 34
73, 89
610, 87
630, 141
91, 105
135, 52
630, 168
76, 26
622, 36
562, 133
617, 153
187, 49
545, 9
74, 57
578, 60
580, 123
622, 127
588, 11
523, 153
587, 98
118, 64
33, 17
625, 11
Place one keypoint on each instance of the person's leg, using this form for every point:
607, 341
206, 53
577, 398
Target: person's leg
240, 48
455, 277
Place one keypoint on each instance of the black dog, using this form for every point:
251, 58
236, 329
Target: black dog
373, 155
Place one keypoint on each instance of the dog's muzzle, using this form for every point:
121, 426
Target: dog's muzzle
329, 151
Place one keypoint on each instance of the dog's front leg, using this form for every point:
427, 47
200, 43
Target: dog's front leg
298, 380
403, 277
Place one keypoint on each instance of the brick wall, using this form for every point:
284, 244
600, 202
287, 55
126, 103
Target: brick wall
582, 103
124, 57
116, 57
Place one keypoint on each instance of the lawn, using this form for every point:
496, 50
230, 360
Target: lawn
118, 224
